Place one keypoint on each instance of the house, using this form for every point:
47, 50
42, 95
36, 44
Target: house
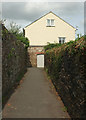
47, 29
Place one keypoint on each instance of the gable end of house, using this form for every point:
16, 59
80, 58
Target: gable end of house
47, 14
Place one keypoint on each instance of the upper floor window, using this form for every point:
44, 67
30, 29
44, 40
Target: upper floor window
50, 22
61, 40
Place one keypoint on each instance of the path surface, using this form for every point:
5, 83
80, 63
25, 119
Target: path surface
34, 98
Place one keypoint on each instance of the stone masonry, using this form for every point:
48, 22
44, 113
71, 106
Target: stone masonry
32, 51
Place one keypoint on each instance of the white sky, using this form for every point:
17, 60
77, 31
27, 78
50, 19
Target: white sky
23, 13
43, 0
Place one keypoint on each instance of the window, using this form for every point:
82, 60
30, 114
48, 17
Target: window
50, 22
61, 40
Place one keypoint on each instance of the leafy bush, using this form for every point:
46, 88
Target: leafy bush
50, 46
70, 42
23, 40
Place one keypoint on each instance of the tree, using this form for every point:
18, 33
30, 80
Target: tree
14, 28
2, 21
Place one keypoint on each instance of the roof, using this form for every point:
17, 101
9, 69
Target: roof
38, 53
45, 15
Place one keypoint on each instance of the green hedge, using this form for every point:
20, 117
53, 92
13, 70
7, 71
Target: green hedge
66, 66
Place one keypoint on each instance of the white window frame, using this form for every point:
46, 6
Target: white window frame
62, 39
50, 23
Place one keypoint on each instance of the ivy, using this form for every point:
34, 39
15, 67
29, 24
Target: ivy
11, 53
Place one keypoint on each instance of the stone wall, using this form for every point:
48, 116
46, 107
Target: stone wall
32, 52
66, 66
13, 60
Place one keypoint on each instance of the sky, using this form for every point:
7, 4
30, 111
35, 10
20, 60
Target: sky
23, 13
